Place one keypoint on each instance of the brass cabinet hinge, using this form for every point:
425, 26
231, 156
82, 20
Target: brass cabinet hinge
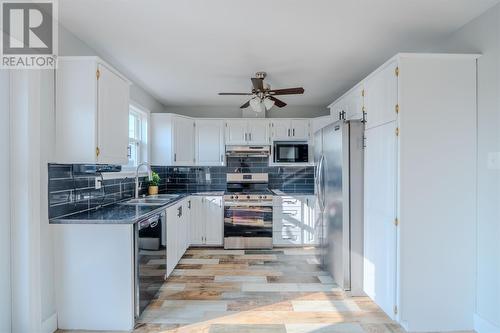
395, 309
97, 151
98, 74
397, 108
397, 131
396, 71
396, 221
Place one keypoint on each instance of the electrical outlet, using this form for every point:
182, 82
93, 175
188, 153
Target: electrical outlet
97, 183
207, 177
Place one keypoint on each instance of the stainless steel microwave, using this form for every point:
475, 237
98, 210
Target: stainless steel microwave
291, 152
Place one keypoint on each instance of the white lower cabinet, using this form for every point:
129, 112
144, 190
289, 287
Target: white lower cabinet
293, 220
207, 220
178, 238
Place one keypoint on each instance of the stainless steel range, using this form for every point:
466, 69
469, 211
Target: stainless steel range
248, 212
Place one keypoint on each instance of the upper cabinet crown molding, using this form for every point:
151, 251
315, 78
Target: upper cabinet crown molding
91, 117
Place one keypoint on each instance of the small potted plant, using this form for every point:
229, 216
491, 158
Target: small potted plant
153, 184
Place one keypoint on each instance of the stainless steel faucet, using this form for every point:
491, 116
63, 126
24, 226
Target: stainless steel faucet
137, 177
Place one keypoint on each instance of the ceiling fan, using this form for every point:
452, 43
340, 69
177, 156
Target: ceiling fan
263, 96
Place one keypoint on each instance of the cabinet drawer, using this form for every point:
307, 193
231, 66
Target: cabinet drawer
285, 237
291, 202
286, 226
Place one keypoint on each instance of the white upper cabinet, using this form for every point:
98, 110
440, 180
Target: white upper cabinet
184, 141
209, 136
258, 132
91, 118
381, 96
236, 132
354, 103
290, 129
242, 132
172, 140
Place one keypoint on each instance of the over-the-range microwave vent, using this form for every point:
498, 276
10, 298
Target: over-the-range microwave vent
248, 151
95, 168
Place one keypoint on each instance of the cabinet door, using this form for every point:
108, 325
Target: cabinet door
236, 132
112, 122
381, 96
172, 244
183, 141
186, 219
209, 142
354, 103
310, 227
380, 242
258, 132
281, 130
197, 221
214, 212
300, 129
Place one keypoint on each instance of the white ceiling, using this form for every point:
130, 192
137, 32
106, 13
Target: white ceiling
186, 51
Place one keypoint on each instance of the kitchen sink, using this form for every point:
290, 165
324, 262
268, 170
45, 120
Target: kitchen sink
153, 200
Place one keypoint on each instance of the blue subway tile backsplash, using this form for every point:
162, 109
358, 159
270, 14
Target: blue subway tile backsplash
72, 191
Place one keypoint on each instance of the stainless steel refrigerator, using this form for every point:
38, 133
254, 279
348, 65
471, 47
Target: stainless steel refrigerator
338, 155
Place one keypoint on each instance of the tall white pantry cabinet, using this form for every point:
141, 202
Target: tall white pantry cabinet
420, 190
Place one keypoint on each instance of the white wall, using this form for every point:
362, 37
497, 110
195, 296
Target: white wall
5, 293
70, 45
482, 35
235, 112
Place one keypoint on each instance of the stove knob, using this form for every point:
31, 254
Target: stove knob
264, 197
232, 197
248, 197
236, 197
260, 196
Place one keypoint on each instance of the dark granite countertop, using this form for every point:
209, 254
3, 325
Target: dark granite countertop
122, 213
285, 193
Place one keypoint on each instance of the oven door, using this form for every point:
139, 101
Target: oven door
291, 152
248, 225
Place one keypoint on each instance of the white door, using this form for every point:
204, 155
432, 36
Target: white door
300, 129
183, 141
209, 142
381, 96
172, 230
380, 245
112, 123
236, 132
214, 212
197, 221
258, 132
281, 130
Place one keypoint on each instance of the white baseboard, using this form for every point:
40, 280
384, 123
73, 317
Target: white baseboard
49, 325
482, 325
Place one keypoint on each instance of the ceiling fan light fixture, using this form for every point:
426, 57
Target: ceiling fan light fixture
268, 103
256, 105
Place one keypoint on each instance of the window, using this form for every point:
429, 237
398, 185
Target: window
138, 137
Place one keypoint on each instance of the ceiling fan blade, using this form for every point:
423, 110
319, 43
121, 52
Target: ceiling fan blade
287, 91
235, 94
244, 106
277, 102
258, 84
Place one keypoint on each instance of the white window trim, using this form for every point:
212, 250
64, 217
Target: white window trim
129, 171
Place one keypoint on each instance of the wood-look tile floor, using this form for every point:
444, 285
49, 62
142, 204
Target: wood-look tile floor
258, 291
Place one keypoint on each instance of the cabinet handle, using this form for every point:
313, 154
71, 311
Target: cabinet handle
288, 132
293, 131
179, 211
221, 158
250, 136
246, 137
175, 157
189, 204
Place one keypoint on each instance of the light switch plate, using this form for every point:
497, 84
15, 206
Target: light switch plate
207, 177
494, 160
